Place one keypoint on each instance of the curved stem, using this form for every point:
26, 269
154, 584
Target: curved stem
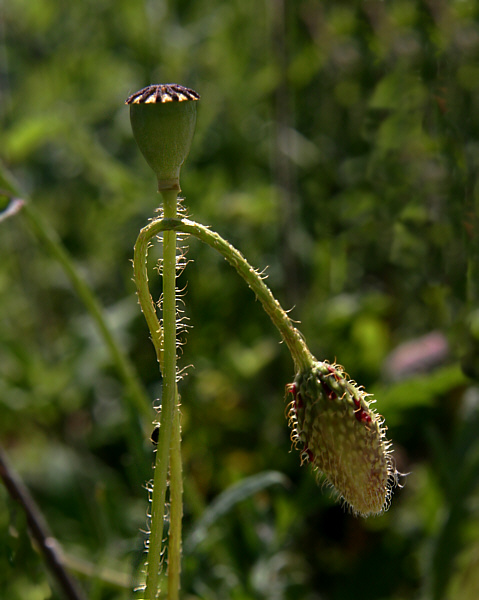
165, 345
292, 337
164, 342
144, 297
158, 493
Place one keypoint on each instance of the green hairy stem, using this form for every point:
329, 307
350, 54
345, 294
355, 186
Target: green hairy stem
136, 393
164, 341
300, 353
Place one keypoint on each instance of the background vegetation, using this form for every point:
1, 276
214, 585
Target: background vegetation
338, 143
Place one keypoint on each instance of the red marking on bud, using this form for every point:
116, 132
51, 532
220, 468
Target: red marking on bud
308, 453
328, 391
333, 372
362, 416
298, 401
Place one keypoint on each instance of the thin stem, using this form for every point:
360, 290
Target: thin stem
144, 297
39, 529
300, 353
158, 493
135, 390
170, 393
168, 436
165, 345
176, 508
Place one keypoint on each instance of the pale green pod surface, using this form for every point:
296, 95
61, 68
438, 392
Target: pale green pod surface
335, 429
163, 119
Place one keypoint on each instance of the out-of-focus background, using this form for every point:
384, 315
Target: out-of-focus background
337, 143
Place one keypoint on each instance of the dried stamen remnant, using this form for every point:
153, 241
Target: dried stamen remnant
335, 429
161, 93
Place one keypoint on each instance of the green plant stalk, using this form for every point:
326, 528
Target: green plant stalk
164, 342
158, 493
50, 239
147, 304
170, 395
136, 396
165, 345
176, 506
300, 353
161, 468
161, 471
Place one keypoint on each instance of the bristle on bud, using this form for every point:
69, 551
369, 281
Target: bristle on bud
336, 430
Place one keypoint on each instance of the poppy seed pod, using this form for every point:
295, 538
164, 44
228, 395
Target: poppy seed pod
163, 119
336, 430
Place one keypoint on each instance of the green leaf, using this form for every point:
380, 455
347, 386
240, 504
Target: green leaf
228, 499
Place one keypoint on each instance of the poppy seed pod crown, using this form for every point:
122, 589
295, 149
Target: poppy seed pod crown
163, 119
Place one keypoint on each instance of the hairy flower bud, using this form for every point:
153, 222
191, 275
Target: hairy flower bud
336, 430
163, 119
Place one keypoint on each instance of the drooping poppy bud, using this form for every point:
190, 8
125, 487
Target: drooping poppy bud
163, 119
336, 430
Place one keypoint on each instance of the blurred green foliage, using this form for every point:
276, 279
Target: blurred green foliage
338, 143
